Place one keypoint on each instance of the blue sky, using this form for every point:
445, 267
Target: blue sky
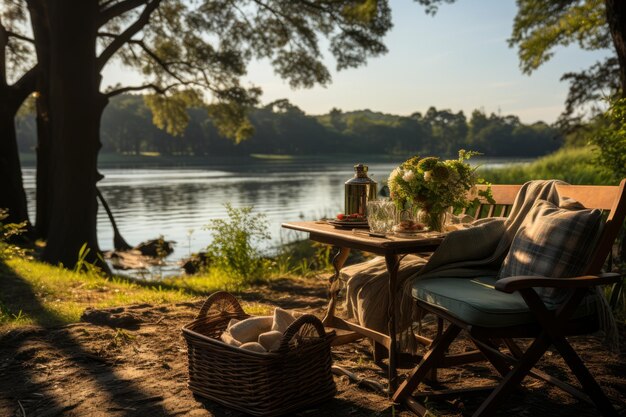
459, 59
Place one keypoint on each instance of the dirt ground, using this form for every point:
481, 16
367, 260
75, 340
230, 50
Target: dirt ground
86, 369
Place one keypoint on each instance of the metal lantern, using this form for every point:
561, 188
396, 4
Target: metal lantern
359, 190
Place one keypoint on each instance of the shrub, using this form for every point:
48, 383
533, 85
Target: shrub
234, 247
610, 139
8, 231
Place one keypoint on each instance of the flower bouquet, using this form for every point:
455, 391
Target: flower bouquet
435, 186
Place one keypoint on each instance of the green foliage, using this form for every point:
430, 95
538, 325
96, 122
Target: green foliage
610, 140
84, 266
541, 26
302, 257
234, 247
230, 116
282, 128
208, 45
32, 292
8, 231
572, 165
433, 184
170, 112
8, 316
506, 135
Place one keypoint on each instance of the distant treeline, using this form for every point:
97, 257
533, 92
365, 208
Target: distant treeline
282, 128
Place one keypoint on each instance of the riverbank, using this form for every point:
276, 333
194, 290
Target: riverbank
155, 160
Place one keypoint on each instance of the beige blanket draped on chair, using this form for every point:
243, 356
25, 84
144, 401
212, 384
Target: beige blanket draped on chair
475, 251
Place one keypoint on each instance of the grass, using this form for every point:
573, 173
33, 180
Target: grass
34, 293
572, 165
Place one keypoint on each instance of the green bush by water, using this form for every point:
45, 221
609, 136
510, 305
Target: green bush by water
234, 248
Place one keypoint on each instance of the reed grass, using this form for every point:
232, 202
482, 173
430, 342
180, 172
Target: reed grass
572, 165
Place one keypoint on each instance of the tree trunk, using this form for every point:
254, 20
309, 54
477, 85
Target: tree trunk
76, 106
44, 192
616, 18
12, 195
38, 11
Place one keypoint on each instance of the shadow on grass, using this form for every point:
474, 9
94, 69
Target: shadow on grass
18, 297
19, 381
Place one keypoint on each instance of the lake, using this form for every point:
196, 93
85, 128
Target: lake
177, 202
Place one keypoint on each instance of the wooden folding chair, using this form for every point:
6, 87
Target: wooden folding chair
525, 316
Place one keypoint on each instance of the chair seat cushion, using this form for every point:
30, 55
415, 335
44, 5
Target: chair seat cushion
477, 302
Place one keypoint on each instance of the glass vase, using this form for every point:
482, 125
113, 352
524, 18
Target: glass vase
434, 220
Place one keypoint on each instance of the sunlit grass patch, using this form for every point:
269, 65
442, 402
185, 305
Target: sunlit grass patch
206, 282
48, 295
34, 293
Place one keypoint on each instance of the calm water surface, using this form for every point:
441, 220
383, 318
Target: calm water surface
177, 202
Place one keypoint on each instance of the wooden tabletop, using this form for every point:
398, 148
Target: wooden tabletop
321, 231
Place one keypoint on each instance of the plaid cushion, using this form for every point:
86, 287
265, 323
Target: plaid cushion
552, 242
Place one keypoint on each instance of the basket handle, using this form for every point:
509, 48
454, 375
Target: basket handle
295, 327
230, 305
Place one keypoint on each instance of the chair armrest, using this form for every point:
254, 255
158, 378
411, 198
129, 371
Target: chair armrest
512, 284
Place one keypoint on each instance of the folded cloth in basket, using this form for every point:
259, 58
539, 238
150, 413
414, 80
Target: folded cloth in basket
260, 333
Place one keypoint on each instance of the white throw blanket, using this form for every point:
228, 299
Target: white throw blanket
471, 252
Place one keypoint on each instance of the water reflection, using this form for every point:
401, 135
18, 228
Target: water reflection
173, 201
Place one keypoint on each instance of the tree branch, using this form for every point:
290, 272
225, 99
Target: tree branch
25, 85
108, 34
20, 37
28, 80
108, 13
157, 59
126, 35
156, 88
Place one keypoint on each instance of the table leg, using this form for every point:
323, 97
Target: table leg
335, 285
380, 352
392, 262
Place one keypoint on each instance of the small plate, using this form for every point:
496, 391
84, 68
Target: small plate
342, 224
411, 233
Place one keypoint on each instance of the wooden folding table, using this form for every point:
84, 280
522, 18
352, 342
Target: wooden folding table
393, 249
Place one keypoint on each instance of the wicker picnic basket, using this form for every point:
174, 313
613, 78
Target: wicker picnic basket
298, 374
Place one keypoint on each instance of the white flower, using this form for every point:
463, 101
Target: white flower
394, 174
428, 175
408, 175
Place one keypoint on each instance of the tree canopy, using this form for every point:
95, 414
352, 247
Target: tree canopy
541, 26
190, 53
